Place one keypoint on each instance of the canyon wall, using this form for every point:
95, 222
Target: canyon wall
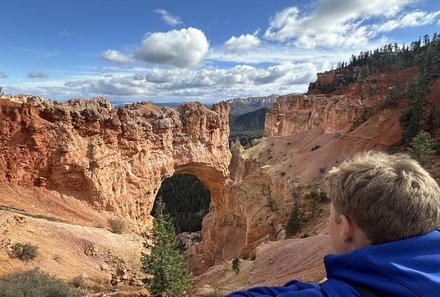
306, 135
334, 112
112, 158
293, 114
327, 79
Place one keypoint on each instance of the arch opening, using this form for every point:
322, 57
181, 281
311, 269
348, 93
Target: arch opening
186, 199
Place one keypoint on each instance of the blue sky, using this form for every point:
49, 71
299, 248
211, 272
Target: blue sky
193, 50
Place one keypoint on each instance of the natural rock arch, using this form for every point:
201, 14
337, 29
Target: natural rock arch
114, 158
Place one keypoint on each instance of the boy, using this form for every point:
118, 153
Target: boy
383, 224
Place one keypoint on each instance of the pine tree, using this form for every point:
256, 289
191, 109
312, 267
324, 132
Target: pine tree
411, 118
164, 265
422, 147
294, 223
314, 201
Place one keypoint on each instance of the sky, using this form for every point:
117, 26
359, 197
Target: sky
193, 50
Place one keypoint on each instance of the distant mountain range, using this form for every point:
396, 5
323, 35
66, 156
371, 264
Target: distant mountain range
245, 105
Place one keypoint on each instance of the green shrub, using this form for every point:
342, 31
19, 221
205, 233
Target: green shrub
23, 252
236, 265
315, 147
315, 199
198, 237
422, 147
116, 225
79, 282
393, 94
295, 220
305, 235
270, 201
34, 283
323, 196
273, 230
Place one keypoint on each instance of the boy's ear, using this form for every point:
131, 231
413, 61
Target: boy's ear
347, 229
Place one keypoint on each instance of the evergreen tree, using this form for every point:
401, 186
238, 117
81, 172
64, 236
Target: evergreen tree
411, 118
422, 147
294, 223
164, 265
314, 201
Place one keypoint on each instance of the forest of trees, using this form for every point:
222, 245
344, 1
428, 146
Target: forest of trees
424, 52
247, 126
187, 201
420, 115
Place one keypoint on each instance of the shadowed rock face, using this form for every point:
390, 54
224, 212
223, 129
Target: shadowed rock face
113, 158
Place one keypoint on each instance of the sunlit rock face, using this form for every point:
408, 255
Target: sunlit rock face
113, 158
298, 113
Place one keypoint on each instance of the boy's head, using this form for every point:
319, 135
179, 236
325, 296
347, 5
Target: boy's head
387, 197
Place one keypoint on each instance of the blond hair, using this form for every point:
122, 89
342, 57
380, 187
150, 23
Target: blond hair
389, 197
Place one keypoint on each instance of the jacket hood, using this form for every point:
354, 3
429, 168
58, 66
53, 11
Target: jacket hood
408, 267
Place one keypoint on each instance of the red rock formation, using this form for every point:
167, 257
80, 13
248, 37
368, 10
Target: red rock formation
333, 112
112, 158
299, 113
326, 80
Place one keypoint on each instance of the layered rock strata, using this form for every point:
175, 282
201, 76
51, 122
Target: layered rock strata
114, 158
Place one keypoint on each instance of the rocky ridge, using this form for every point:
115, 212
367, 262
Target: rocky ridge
334, 112
112, 159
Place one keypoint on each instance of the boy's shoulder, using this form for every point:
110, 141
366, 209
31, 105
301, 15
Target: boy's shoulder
296, 288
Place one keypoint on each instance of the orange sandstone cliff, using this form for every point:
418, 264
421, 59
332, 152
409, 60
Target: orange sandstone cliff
66, 168
112, 158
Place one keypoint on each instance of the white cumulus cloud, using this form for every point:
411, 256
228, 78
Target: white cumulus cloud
168, 18
332, 23
180, 84
241, 43
182, 48
116, 57
2, 75
410, 19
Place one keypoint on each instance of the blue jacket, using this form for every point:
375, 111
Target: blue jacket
404, 268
